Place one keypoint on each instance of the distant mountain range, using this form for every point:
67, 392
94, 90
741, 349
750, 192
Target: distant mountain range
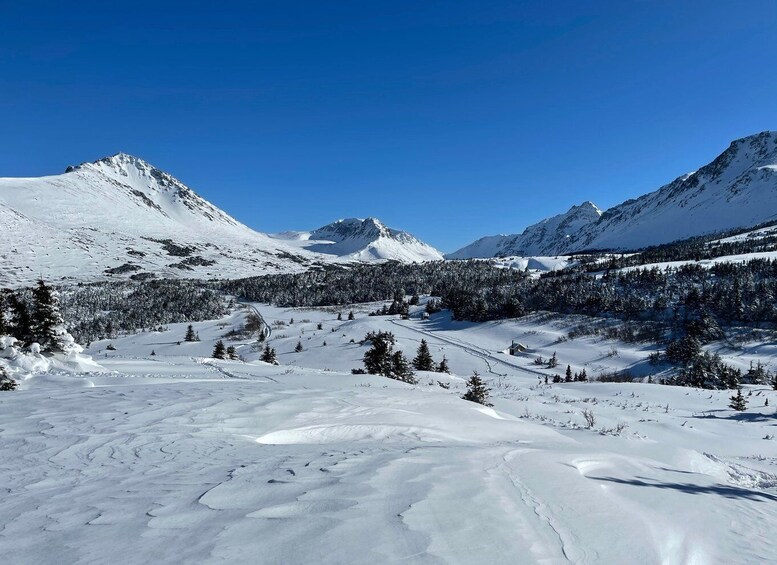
736, 190
120, 217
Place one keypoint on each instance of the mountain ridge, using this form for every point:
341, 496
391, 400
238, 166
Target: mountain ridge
121, 217
737, 189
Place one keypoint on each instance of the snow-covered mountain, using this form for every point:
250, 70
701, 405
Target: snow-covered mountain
736, 190
547, 237
122, 217
364, 240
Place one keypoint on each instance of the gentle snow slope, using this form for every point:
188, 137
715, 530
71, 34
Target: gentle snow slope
174, 458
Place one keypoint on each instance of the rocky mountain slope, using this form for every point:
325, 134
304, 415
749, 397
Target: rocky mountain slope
121, 217
543, 238
736, 190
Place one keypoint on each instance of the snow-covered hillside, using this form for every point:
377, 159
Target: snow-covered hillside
547, 237
164, 455
736, 190
120, 217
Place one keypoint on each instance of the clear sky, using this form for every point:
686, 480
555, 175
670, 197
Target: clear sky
449, 119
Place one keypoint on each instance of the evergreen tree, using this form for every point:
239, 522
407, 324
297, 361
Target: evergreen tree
477, 391
19, 324
269, 355
190, 335
298, 347
738, 402
433, 306
47, 323
423, 360
350, 315
232, 353
443, 366
553, 361
153, 353
569, 374
377, 359
219, 351
401, 369
4, 329
339, 316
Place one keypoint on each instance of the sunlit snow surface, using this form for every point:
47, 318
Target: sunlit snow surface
177, 458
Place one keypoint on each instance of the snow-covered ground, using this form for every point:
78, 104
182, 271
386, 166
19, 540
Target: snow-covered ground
178, 458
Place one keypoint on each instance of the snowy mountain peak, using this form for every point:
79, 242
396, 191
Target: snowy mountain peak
368, 229
737, 189
542, 238
121, 217
151, 186
370, 239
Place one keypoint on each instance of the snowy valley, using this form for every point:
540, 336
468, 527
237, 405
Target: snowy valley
188, 390
160, 452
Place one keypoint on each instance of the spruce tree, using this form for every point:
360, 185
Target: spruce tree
269, 355
401, 369
4, 330
298, 347
738, 402
190, 335
377, 359
443, 366
47, 322
350, 315
423, 360
219, 351
477, 391
232, 353
569, 374
19, 324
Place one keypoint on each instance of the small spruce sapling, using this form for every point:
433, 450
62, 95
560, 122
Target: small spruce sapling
477, 391
219, 351
190, 335
423, 360
738, 402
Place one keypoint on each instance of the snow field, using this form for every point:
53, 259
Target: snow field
178, 458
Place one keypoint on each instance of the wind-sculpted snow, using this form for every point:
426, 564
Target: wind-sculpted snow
177, 458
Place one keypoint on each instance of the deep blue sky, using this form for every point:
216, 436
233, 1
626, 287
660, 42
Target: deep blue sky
451, 120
